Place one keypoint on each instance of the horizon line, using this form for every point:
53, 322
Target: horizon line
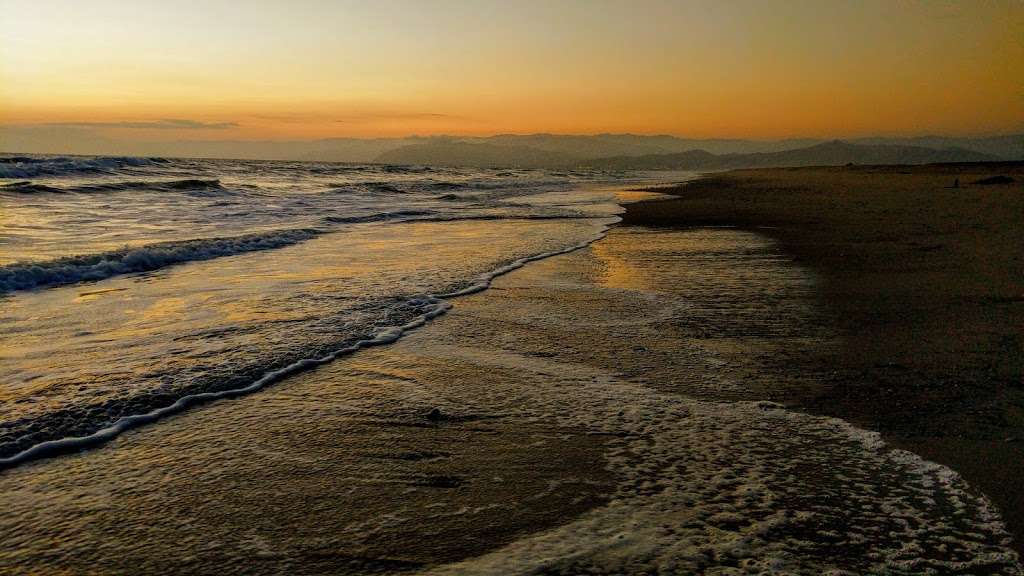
974, 135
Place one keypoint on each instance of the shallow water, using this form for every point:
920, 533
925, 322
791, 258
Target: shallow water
586, 426
130, 284
599, 411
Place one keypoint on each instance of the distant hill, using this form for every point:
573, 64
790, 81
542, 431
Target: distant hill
826, 154
503, 150
548, 151
1010, 147
602, 145
565, 151
477, 155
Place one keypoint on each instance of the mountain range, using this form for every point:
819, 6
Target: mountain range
826, 154
623, 151
670, 153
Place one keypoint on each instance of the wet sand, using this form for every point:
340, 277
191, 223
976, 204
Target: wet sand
597, 412
923, 283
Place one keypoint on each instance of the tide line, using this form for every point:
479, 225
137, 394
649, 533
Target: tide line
438, 305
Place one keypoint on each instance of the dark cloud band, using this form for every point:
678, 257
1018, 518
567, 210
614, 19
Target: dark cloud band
164, 124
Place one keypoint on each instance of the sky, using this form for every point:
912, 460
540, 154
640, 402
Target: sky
306, 69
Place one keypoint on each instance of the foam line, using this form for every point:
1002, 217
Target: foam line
438, 306
93, 267
413, 216
21, 276
63, 445
484, 281
30, 167
28, 187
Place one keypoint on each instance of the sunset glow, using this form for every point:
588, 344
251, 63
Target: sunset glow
511, 287
307, 70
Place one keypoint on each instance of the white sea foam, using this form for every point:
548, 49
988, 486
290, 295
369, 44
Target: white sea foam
483, 282
736, 488
433, 307
91, 267
379, 217
188, 184
430, 307
31, 167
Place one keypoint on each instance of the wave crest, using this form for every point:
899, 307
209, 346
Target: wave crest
93, 267
379, 217
31, 167
189, 185
29, 187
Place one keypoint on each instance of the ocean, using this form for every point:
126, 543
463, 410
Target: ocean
602, 410
132, 287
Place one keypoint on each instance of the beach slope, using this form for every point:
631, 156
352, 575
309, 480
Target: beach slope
921, 273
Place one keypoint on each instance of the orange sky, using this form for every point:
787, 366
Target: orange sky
313, 69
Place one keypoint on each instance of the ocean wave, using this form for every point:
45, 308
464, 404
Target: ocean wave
379, 217
188, 185
405, 169
29, 187
31, 167
405, 314
504, 183
509, 183
428, 216
372, 186
426, 308
471, 217
93, 267
446, 185
384, 187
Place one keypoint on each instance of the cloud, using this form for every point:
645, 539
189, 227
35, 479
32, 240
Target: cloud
288, 119
370, 116
353, 117
164, 124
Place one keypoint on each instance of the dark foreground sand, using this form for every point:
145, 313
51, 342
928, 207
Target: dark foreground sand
924, 283
600, 412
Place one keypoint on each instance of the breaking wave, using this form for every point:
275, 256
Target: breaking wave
31, 167
446, 185
93, 267
379, 217
29, 187
406, 314
428, 216
372, 186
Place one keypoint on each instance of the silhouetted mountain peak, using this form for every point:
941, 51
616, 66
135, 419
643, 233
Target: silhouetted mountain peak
832, 153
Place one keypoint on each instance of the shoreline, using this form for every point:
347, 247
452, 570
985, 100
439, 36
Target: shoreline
431, 305
612, 409
924, 283
598, 411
